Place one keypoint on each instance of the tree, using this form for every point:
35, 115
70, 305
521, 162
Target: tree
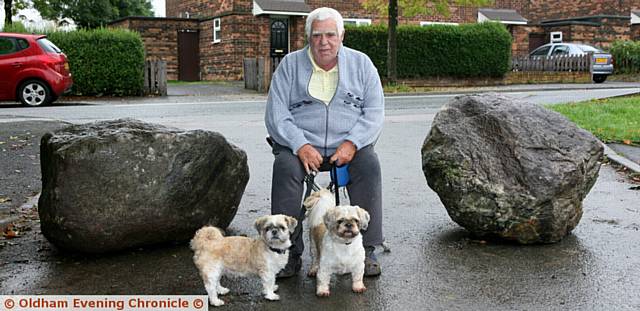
92, 13
10, 7
410, 8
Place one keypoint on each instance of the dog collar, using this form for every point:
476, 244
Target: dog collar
279, 251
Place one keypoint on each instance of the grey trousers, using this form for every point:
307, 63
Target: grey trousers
365, 190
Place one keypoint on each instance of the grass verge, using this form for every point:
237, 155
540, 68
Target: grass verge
611, 119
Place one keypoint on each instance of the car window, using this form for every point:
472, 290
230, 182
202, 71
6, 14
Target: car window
48, 46
586, 49
22, 44
543, 51
560, 50
7, 45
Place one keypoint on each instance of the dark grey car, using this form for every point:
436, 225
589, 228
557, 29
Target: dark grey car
602, 61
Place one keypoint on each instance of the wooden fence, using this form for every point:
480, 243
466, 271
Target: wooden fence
255, 75
552, 63
155, 77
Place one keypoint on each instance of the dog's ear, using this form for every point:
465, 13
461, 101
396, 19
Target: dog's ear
292, 223
364, 217
259, 224
330, 217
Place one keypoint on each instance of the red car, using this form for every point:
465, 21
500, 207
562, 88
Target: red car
33, 70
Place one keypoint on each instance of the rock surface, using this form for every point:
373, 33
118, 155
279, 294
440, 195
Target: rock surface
113, 185
510, 169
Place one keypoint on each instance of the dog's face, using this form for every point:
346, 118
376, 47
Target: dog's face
346, 221
275, 229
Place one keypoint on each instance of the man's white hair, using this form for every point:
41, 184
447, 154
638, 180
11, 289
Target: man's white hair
323, 14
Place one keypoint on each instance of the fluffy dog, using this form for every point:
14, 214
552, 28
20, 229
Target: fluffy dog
264, 256
336, 242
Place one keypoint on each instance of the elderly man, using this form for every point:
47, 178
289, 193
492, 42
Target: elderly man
326, 106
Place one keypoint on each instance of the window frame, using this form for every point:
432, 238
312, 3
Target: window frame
358, 21
218, 29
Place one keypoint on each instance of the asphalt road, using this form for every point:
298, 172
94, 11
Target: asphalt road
433, 265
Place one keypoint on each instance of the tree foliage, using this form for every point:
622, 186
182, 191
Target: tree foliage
92, 13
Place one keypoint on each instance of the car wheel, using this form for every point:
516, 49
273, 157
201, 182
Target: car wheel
34, 93
599, 78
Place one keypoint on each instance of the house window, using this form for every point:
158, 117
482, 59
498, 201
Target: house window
357, 21
216, 30
425, 24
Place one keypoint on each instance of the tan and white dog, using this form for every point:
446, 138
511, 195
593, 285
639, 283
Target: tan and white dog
336, 242
216, 255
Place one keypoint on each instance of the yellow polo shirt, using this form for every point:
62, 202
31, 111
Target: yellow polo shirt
323, 83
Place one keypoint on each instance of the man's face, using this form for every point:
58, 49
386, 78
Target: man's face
325, 41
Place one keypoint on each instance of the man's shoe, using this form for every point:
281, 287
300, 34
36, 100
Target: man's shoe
291, 269
371, 265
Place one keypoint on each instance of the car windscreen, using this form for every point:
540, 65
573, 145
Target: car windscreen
48, 46
587, 49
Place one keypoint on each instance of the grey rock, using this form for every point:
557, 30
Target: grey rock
510, 169
113, 185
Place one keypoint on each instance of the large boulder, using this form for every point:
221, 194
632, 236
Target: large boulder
118, 184
510, 169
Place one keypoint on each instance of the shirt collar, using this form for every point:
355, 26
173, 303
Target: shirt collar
317, 68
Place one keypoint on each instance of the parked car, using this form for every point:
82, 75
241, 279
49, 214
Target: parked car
33, 70
602, 61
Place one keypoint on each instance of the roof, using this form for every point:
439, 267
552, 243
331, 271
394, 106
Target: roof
501, 15
280, 7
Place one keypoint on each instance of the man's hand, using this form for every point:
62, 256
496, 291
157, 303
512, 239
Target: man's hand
310, 157
344, 154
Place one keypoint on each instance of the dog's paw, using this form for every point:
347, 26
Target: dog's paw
272, 296
323, 293
223, 290
358, 288
275, 288
216, 302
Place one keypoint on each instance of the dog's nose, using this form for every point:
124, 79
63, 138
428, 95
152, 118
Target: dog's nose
274, 231
348, 225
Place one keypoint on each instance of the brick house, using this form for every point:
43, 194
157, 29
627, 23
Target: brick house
208, 40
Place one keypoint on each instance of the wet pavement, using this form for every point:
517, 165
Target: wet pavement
433, 264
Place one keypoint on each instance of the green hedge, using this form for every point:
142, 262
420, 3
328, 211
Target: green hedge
103, 61
469, 50
626, 55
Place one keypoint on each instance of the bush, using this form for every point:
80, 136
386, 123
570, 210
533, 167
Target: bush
626, 55
470, 50
15, 27
103, 61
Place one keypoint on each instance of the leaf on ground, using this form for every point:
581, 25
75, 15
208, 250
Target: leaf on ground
626, 142
8, 232
4, 199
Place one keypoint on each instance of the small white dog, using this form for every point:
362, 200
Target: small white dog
265, 256
336, 242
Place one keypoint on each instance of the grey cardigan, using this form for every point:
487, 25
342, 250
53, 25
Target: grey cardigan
356, 111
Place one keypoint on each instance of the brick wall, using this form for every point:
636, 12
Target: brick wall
635, 32
600, 36
200, 8
160, 37
354, 9
538, 10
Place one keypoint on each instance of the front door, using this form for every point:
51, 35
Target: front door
279, 40
188, 56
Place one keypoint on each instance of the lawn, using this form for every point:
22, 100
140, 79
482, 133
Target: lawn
611, 120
